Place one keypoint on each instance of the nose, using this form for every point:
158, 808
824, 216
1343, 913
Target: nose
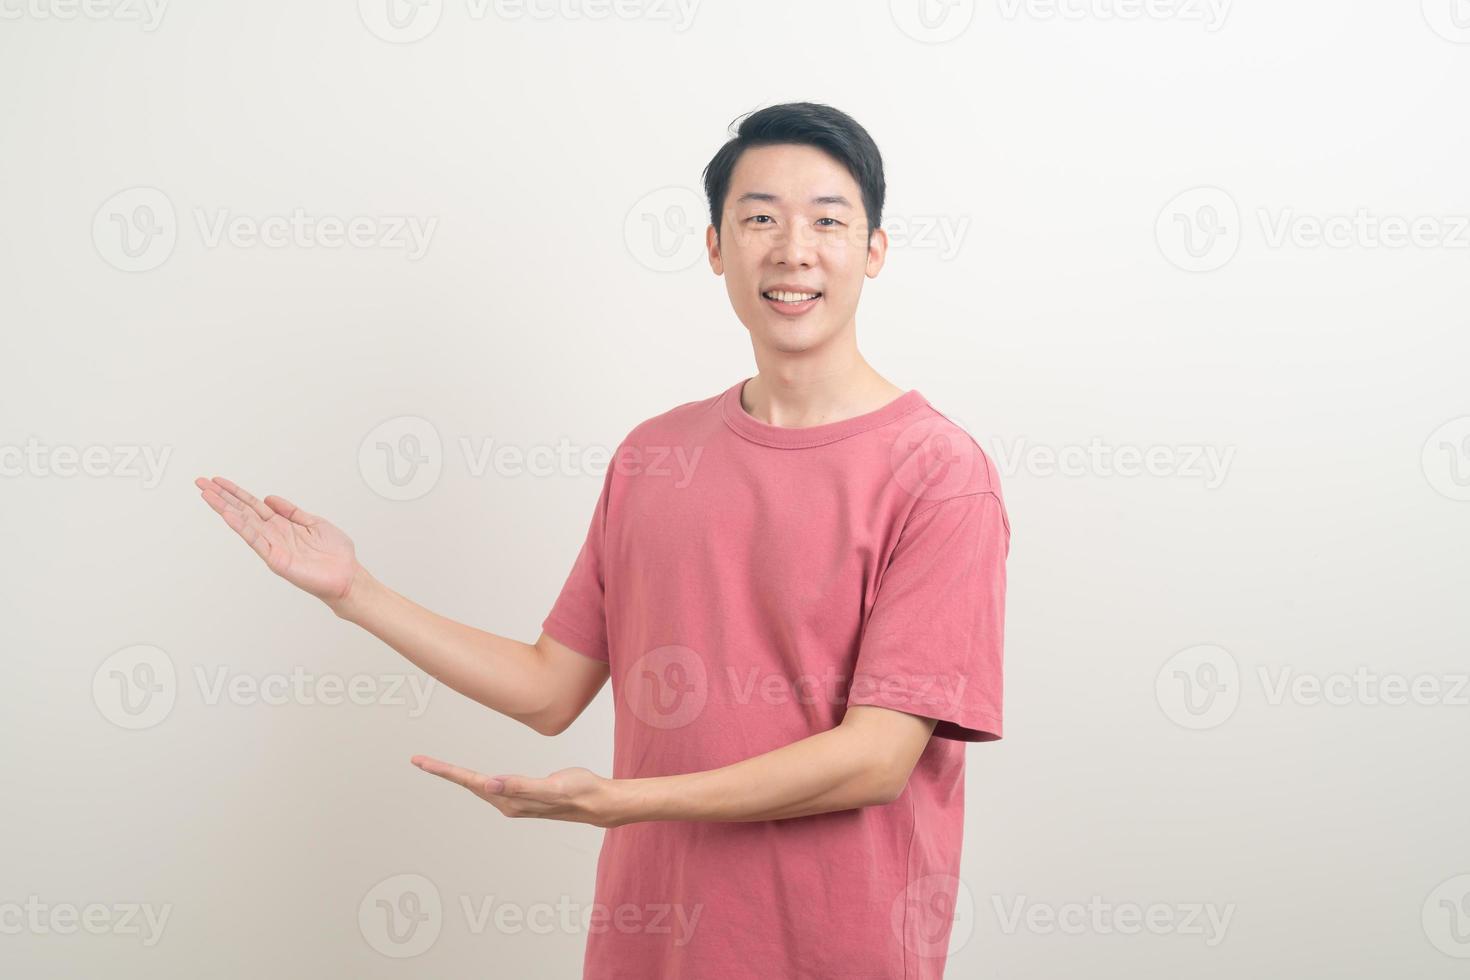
795, 247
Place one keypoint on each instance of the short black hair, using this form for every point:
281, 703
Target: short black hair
811, 124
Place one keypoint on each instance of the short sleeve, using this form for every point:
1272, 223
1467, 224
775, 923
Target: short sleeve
578, 618
932, 644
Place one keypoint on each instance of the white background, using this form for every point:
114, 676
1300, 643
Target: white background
1041, 296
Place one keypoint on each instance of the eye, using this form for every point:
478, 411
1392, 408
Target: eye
833, 220
754, 217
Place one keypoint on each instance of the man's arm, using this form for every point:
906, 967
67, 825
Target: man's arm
545, 685
865, 761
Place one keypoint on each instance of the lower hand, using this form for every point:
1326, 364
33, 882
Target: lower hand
575, 794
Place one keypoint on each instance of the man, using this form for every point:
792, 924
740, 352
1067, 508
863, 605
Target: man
801, 631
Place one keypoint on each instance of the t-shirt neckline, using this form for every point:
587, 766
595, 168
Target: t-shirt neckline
798, 437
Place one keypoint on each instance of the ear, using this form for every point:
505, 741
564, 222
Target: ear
877, 253
712, 246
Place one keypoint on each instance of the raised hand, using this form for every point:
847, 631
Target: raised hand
305, 550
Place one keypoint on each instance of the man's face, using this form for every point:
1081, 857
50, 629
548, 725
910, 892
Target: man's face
794, 218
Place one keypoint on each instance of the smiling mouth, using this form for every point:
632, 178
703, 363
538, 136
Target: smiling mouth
791, 303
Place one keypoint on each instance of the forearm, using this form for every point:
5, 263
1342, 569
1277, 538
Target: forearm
829, 771
503, 674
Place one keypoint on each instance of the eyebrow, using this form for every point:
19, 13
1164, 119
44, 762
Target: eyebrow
837, 199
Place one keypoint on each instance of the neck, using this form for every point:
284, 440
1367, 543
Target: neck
814, 388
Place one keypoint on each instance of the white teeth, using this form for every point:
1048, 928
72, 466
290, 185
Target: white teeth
791, 297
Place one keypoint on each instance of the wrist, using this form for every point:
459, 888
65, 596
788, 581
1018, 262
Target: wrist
632, 801
351, 603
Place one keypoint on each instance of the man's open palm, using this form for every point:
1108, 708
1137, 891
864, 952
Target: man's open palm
305, 550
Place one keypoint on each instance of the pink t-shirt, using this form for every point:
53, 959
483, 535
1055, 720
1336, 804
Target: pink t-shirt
745, 582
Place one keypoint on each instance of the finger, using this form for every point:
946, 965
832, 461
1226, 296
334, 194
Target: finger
245, 524
241, 494
291, 512
241, 520
217, 497
477, 783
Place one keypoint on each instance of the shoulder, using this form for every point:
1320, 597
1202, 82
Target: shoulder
935, 458
684, 424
